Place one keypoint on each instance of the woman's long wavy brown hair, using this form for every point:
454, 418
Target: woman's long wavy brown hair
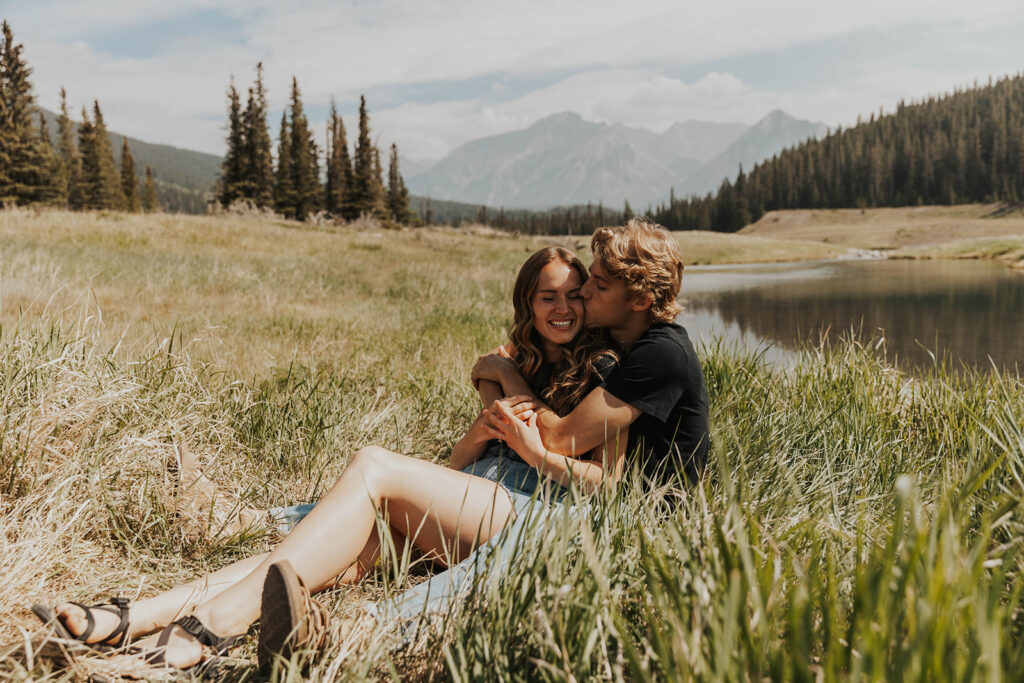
578, 364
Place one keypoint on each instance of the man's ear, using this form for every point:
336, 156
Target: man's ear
641, 302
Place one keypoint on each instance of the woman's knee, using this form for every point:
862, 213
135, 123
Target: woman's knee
373, 464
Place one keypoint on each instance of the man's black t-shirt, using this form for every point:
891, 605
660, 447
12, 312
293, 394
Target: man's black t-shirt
661, 376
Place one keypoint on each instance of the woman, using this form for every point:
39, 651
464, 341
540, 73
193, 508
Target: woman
446, 513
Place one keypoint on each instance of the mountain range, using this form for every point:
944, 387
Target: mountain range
558, 161
563, 160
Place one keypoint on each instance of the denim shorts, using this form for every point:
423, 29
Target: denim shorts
533, 500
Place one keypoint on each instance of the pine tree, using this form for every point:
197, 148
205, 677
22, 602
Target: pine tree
229, 186
70, 158
339, 168
54, 191
363, 199
150, 203
258, 162
101, 185
25, 165
305, 160
284, 191
90, 185
398, 194
129, 180
377, 191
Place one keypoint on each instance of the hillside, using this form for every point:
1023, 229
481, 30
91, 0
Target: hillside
961, 148
183, 176
890, 228
772, 134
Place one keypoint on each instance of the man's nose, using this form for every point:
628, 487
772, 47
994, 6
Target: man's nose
585, 290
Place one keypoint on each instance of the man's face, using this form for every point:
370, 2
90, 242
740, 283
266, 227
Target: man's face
605, 299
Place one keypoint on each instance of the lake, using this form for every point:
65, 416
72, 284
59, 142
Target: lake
969, 311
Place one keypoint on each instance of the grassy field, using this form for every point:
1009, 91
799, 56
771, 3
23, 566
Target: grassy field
854, 524
968, 231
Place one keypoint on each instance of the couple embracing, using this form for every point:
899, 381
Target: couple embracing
595, 377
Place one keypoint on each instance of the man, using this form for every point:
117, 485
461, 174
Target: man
657, 391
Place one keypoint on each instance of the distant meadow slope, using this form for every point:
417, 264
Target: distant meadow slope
853, 524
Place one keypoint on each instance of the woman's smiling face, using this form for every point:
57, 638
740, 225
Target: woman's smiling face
557, 307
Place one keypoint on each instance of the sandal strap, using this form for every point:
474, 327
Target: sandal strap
121, 604
316, 620
195, 628
90, 622
117, 605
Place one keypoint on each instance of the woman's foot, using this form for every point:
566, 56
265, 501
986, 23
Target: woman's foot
181, 645
97, 624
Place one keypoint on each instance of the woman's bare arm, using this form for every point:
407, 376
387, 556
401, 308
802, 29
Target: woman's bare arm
471, 446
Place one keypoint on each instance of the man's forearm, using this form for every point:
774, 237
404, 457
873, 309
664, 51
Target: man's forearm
513, 383
489, 391
554, 434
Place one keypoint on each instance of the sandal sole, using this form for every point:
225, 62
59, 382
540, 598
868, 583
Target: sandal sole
282, 615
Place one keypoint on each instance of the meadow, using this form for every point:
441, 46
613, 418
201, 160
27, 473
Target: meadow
854, 523
968, 231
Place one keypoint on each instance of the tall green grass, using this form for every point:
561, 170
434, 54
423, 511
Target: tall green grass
853, 524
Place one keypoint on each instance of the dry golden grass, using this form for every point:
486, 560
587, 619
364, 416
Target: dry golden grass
887, 229
247, 294
701, 247
1008, 249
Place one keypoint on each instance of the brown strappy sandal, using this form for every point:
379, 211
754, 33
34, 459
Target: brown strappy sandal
192, 626
117, 605
290, 619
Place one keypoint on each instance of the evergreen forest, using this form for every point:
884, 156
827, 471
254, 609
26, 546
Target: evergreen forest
960, 148
353, 185
75, 168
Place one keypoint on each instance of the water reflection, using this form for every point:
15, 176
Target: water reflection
971, 310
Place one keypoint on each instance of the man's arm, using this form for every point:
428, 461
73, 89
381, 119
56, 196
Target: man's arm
488, 391
599, 418
498, 367
605, 469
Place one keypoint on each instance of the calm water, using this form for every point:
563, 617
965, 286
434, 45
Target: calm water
970, 310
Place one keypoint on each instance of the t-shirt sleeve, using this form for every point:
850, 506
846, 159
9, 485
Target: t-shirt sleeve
650, 377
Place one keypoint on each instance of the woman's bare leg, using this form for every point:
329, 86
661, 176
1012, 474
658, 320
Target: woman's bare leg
445, 513
150, 614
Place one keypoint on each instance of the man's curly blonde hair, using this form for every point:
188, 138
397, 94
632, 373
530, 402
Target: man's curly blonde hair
645, 256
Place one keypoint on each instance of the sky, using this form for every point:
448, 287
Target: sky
439, 73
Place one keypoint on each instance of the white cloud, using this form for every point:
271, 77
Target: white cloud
617, 57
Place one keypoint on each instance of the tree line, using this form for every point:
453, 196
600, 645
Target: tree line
81, 172
964, 147
960, 148
292, 184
